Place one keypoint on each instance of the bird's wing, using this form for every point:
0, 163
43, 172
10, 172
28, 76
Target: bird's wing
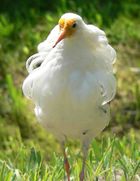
47, 44
102, 46
44, 48
35, 61
105, 57
107, 83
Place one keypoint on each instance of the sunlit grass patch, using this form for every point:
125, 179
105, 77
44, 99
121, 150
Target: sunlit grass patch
108, 159
21, 29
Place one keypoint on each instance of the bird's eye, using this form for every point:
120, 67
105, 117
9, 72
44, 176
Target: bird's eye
74, 25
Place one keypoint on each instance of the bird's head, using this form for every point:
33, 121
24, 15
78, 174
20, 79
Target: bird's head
69, 23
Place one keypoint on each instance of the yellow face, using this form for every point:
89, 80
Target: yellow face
67, 29
67, 25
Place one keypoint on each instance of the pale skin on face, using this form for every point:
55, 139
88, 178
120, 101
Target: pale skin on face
67, 29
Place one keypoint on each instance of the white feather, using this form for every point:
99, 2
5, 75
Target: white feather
74, 82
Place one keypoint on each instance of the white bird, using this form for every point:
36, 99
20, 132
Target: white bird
71, 82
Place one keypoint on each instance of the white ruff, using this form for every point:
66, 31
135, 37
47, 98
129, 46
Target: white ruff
72, 87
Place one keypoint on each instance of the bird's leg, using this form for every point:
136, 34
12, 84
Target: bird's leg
85, 147
66, 162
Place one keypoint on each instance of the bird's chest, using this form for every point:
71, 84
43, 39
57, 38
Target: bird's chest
68, 91
70, 103
69, 76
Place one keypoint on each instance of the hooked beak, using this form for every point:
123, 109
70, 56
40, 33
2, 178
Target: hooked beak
61, 37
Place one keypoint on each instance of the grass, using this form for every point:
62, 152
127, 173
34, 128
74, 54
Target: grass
109, 159
22, 26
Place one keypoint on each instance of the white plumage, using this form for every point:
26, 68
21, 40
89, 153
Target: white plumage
72, 83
